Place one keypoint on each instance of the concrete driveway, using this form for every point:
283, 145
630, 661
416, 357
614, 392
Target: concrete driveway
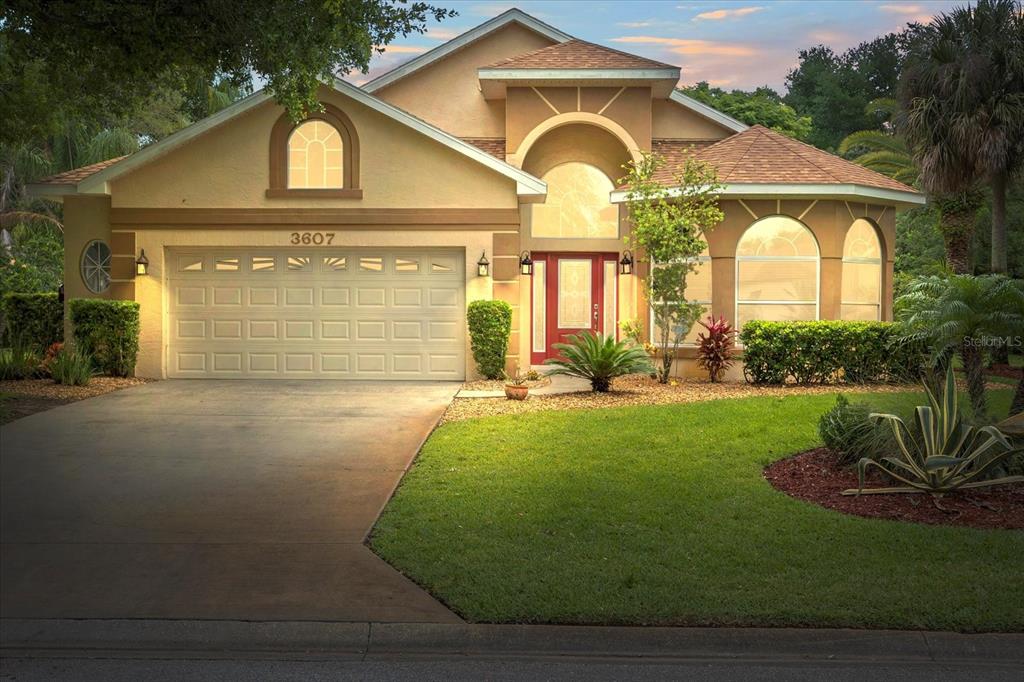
212, 499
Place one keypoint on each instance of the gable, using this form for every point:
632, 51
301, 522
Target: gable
228, 167
446, 93
673, 120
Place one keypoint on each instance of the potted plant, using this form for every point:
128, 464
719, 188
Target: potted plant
515, 386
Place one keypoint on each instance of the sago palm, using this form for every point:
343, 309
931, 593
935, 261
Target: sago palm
599, 359
964, 314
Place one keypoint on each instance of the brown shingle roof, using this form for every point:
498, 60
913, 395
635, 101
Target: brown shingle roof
578, 54
75, 176
759, 155
675, 152
495, 146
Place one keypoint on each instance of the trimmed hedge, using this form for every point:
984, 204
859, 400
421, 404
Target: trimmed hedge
33, 319
828, 351
490, 324
109, 332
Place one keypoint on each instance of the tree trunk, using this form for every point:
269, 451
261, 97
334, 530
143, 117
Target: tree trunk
975, 371
1018, 397
999, 223
957, 225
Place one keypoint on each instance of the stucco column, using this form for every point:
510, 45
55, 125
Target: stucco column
831, 284
723, 289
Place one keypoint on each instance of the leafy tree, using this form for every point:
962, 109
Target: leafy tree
966, 315
33, 260
763, 106
668, 228
101, 57
834, 90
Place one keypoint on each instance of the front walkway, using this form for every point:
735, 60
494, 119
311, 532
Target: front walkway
212, 500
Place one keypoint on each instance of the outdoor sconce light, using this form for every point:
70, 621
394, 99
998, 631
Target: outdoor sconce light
626, 264
483, 266
525, 263
142, 264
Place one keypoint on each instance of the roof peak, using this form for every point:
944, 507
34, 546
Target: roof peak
576, 53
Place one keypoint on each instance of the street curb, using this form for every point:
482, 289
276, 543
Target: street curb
386, 640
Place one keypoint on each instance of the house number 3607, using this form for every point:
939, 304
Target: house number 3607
315, 238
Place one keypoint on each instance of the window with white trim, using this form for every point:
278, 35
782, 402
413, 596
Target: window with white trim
578, 204
315, 156
862, 273
698, 290
777, 272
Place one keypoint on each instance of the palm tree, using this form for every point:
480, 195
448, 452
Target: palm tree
961, 100
964, 314
881, 150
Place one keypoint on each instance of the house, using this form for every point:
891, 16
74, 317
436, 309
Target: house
348, 245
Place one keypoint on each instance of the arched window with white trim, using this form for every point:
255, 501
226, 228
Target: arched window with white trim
315, 156
862, 273
578, 204
777, 272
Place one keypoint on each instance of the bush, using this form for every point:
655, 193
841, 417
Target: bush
108, 331
490, 324
829, 351
37, 319
71, 367
715, 349
849, 430
21, 360
599, 359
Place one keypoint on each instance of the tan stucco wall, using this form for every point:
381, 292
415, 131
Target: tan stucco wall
578, 142
229, 167
674, 121
447, 93
85, 219
150, 291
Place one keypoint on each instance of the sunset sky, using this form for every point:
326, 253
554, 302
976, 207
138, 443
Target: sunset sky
739, 44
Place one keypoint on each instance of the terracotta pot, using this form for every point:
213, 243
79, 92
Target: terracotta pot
513, 392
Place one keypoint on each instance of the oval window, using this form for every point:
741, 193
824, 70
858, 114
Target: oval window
96, 266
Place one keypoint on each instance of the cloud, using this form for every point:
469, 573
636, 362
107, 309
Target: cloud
637, 24
690, 46
902, 9
718, 14
442, 33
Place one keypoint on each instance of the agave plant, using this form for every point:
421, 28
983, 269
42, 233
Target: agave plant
947, 455
599, 359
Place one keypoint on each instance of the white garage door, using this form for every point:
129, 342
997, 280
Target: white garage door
327, 314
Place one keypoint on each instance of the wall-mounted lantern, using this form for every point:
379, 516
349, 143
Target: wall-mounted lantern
483, 266
142, 264
626, 264
525, 263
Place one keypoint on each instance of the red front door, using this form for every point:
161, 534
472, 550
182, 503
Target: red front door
577, 290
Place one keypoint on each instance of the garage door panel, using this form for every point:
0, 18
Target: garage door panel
352, 314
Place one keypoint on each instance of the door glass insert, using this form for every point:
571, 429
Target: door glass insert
611, 292
574, 289
540, 308
406, 265
335, 263
371, 264
298, 263
226, 265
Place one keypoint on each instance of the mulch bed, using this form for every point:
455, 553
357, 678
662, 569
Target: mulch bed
28, 396
499, 384
1008, 371
817, 476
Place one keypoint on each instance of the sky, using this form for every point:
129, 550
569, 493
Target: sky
731, 44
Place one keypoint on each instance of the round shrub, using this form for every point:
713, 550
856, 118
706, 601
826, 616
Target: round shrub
490, 324
108, 331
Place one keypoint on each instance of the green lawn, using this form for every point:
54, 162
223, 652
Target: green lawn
660, 515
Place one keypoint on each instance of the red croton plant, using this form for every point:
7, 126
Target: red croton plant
715, 348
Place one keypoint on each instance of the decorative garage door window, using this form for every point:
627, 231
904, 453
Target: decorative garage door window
96, 266
325, 313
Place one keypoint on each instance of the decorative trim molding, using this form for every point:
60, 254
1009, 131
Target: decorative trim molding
351, 218
286, 193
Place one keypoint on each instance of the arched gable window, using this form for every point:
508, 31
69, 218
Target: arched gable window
777, 272
862, 273
578, 204
317, 157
